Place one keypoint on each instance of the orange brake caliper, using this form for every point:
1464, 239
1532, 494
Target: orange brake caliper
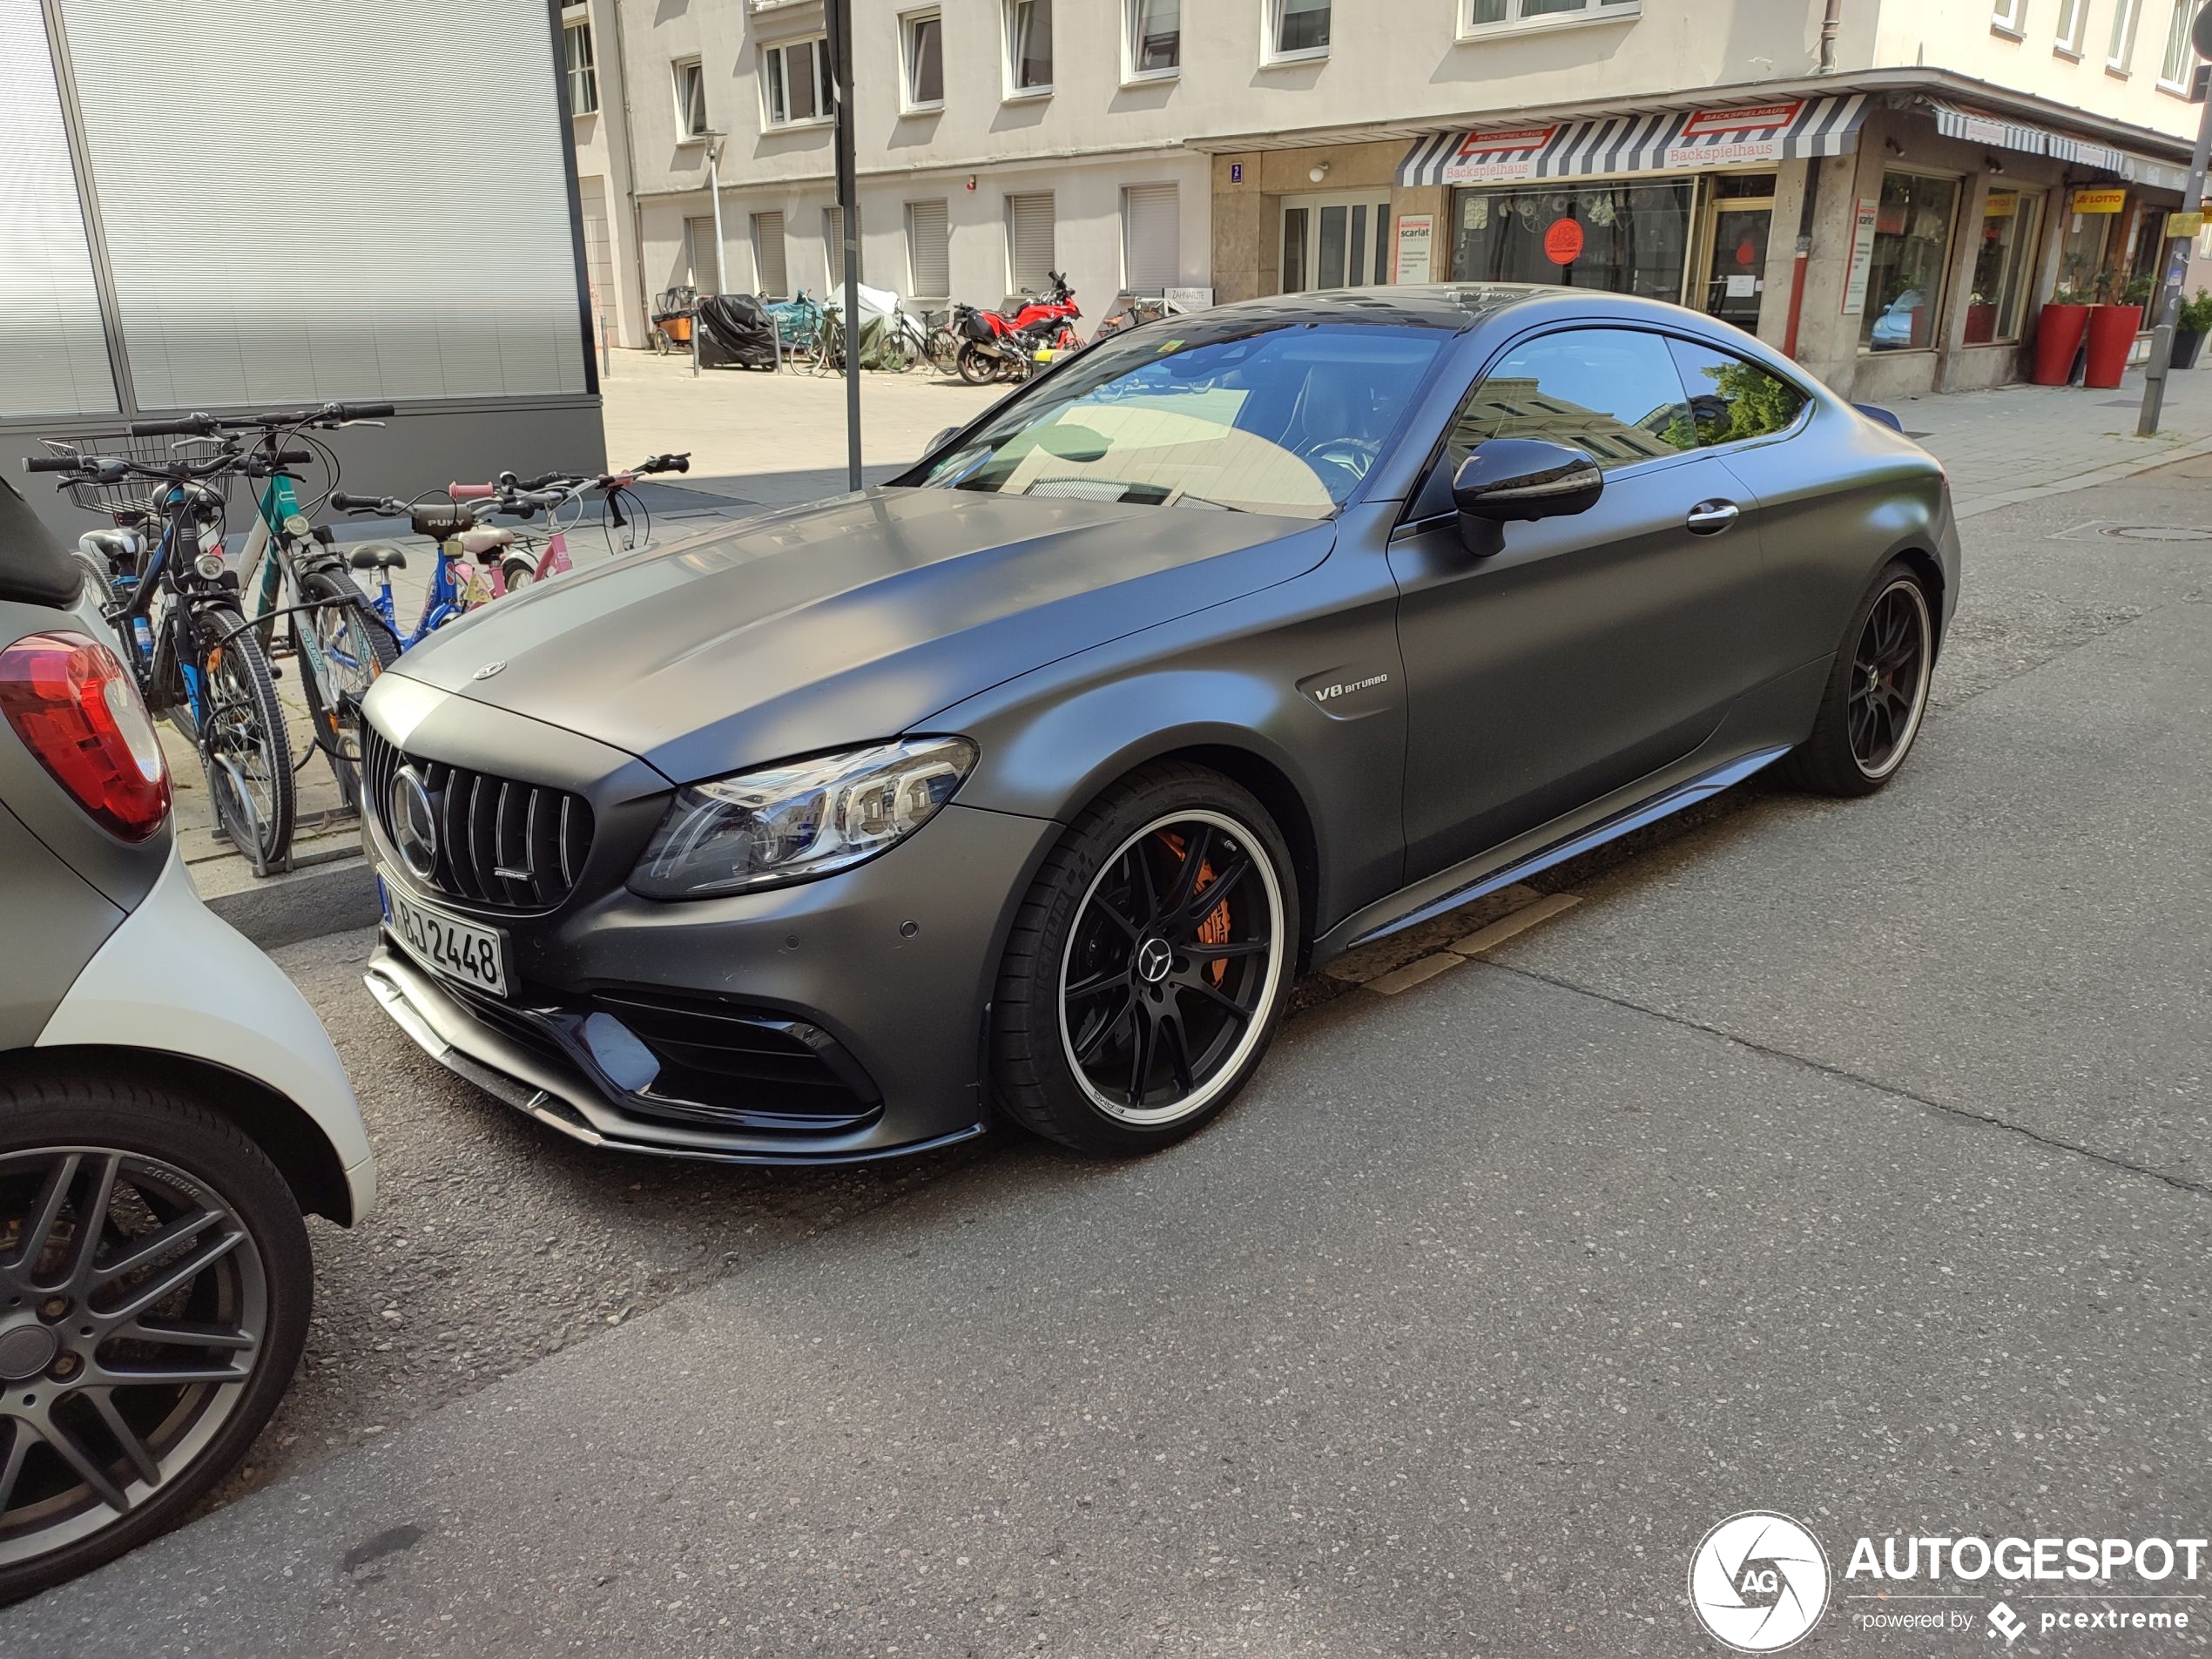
1214, 930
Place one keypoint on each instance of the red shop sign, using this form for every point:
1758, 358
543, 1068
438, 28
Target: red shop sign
1563, 242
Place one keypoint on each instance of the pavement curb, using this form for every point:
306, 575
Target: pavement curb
328, 898
2105, 475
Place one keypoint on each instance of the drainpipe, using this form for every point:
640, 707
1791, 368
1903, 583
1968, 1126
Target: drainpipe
1829, 25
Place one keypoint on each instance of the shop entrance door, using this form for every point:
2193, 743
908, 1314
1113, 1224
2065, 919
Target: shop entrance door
1735, 239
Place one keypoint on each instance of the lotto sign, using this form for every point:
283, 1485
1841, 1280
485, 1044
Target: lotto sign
1486, 157
2100, 201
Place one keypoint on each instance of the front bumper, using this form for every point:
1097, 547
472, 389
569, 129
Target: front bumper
853, 1008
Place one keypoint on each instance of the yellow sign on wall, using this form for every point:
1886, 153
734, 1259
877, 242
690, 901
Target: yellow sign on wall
2101, 201
2178, 225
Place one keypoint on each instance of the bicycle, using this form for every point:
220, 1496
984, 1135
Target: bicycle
535, 559
290, 567
799, 326
196, 659
941, 341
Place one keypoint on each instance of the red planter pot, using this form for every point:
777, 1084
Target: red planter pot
2058, 336
2111, 335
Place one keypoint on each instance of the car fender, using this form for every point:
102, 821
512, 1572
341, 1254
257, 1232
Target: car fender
174, 978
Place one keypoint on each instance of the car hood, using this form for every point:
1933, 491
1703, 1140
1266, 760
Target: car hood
815, 627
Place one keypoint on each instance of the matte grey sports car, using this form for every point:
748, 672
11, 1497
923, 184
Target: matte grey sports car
1022, 787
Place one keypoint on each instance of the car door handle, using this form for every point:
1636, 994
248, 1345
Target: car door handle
1711, 517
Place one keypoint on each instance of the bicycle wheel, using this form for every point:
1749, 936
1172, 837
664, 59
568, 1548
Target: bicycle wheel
943, 349
237, 725
355, 646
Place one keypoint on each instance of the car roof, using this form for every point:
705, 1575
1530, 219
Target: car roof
1455, 306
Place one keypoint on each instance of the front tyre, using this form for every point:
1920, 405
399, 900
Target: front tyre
977, 366
1878, 691
155, 1285
1147, 966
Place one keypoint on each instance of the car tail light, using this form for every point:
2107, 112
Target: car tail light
74, 707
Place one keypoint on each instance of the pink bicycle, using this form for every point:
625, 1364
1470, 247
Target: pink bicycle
515, 559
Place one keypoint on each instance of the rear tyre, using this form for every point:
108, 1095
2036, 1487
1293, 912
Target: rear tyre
248, 750
355, 647
116, 1419
1876, 695
1148, 965
976, 367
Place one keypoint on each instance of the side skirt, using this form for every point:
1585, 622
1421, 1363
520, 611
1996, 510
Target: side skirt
1470, 881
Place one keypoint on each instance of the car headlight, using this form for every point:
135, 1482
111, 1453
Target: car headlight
800, 819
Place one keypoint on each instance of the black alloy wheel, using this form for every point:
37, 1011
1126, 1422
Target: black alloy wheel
154, 1283
1876, 695
1149, 965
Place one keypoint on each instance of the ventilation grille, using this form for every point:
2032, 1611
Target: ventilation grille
499, 844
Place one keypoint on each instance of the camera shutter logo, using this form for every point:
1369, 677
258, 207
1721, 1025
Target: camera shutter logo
1759, 1583
414, 824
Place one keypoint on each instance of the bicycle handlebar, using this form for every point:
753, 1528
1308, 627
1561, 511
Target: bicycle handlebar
471, 492
197, 425
53, 463
201, 425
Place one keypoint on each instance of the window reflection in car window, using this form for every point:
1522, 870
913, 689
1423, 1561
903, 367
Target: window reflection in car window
1730, 398
1612, 393
1284, 418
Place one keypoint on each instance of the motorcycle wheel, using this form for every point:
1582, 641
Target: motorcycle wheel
978, 368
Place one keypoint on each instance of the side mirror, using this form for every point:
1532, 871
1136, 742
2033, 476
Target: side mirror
1507, 479
939, 442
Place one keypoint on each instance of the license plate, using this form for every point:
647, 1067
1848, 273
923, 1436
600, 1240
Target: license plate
458, 949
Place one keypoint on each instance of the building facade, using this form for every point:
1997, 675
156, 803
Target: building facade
1889, 189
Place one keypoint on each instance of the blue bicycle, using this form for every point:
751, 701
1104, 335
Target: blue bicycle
465, 575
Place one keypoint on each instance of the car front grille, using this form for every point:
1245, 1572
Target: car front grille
498, 843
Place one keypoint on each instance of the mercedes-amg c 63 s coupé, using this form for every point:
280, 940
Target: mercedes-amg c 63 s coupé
1020, 787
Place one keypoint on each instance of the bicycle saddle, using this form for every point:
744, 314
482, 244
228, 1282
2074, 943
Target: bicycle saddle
118, 548
376, 556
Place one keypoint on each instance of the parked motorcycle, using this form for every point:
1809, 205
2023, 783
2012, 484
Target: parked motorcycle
997, 348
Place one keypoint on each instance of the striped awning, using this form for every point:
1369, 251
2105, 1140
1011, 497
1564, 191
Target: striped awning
1980, 126
1662, 141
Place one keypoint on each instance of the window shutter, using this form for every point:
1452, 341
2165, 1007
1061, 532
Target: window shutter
834, 244
305, 285
53, 356
699, 243
1029, 240
768, 255
1151, 225
928, 251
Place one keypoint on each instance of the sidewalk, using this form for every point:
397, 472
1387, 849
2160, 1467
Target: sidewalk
2023, 443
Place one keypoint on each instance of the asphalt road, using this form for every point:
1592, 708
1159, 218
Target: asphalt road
1848, 1160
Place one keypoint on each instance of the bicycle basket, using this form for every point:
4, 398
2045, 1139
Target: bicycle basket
131, 494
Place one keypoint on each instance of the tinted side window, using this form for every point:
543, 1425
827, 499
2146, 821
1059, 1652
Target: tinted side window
1613, 393
1731, 399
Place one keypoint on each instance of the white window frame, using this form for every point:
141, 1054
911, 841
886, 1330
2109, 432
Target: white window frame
909, 61
2120, 50
2009, 18
2177, 34
686, 133
1270, 27
1132, 20
2074, 27
575, 24
775, 77
1593, 11
1014, 91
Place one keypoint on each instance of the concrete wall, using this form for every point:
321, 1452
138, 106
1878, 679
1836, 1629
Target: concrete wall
603, 153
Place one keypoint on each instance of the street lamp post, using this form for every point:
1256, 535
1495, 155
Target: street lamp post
2169, 293
838, 15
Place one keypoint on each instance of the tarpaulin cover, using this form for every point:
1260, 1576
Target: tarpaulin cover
735, 330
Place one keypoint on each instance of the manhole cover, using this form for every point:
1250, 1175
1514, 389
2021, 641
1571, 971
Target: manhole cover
2155, 533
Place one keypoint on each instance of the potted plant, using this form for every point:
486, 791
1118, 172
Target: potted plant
2059, 329
2190, 327
2114, 324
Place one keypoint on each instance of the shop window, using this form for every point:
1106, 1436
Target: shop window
2012, 226
1905, 280
923, 34
1733, 399
1625, 239
1612, 393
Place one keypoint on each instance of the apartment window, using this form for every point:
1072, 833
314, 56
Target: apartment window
691, 98
1912, 242
923, 35
929, 252
768, 255
1151, 237
1505, 13
1298, 29
583, 77
1029, 253
2121, 51
2010, 16
2074, 18
2174, 69
2012, 226
795, 81
1029, 47
1155, 38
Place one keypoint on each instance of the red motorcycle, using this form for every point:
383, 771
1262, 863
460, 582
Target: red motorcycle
995, 347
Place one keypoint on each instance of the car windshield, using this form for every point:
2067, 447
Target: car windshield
1284, 418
